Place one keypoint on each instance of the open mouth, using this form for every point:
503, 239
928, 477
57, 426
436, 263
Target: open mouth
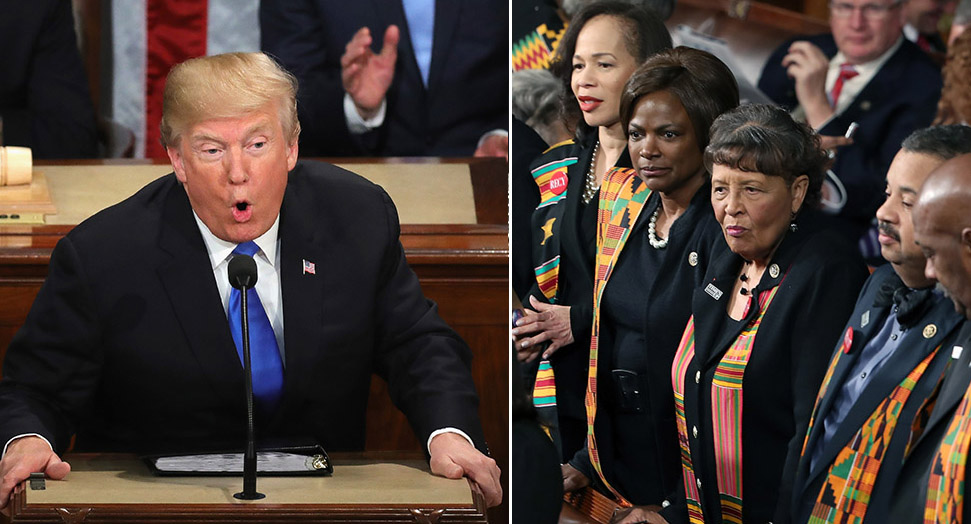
242, 211
588, 103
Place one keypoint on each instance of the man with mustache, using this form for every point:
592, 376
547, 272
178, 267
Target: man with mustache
934, 474
888, 362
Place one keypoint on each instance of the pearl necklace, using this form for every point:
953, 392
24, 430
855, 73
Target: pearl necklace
591, 186
651, 231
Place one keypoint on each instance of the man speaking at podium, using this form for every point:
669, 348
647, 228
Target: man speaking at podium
130, 342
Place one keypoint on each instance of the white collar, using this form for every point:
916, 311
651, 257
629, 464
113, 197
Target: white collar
219, 249
871, 67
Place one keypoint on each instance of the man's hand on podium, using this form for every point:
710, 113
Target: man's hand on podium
453, 457
25, 456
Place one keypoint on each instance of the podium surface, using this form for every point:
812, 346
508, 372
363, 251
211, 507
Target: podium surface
120, 488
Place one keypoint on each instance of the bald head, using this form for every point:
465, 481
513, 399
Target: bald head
942, 228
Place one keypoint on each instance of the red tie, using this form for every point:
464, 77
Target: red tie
846, 72
923, 43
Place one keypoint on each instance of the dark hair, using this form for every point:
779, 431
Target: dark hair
944, 142
644, 34
705, 86
765, 139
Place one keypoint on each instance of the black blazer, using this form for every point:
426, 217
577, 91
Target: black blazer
865, 322
910, 493
819, 277
468, 80
128, 344
901, 98
639, 449
44, 98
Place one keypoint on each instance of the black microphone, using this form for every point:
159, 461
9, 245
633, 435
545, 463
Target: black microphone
242, 276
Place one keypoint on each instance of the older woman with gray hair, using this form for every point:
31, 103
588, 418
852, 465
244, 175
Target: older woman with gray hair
764, 321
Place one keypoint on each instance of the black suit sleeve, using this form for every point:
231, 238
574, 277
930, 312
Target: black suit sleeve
828, 303
292, 31
424, 361
53, 364
44, 97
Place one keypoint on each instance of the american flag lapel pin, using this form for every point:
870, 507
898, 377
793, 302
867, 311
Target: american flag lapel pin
309, 267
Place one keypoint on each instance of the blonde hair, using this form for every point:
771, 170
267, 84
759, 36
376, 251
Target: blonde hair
226, 86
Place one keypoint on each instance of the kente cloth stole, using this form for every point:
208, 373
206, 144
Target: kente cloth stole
945, 486
622, 196
845, 495
544, 388
535, 50
552, 180
845, 345
726, 416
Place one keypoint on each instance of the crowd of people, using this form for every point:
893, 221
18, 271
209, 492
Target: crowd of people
762, 308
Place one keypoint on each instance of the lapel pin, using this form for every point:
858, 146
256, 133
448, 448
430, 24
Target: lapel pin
930, 330
774, 271
865, 105
713, 291
956, 352
693, 258
865, 319
848, 340
309, 267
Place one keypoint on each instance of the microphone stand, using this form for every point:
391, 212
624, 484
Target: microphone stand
249, 457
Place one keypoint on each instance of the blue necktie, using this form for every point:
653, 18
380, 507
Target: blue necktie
264, 353
421, 26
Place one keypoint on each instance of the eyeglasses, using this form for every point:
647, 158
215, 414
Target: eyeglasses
873, 12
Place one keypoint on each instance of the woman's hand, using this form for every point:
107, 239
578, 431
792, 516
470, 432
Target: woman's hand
638, 515
546, 322
573, 479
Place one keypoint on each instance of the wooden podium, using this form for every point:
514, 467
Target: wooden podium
453, 214
120, 488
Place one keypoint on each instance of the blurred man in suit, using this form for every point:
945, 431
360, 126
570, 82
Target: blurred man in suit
864, 71
401, 78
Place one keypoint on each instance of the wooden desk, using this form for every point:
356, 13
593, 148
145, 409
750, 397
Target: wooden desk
463, 267
119, 488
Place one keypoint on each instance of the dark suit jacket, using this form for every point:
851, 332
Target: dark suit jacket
467, 93
910, 493
128, 344
819, 278
44, 99
901, 98
865, 322
631, 442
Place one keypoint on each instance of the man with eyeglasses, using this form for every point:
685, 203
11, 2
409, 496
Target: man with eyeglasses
866, 72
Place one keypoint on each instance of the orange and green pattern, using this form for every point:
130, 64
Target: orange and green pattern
535, 50
727, 409
945, 487
622, 196
845, 496
544, 388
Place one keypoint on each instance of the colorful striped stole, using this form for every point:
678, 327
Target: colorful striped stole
726, 416
945, 485
845, 495
552, 180
544, 388
622, 196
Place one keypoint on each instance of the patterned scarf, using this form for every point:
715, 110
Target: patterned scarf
622, 196
845, 495
945, 486
552, 180
726, 416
